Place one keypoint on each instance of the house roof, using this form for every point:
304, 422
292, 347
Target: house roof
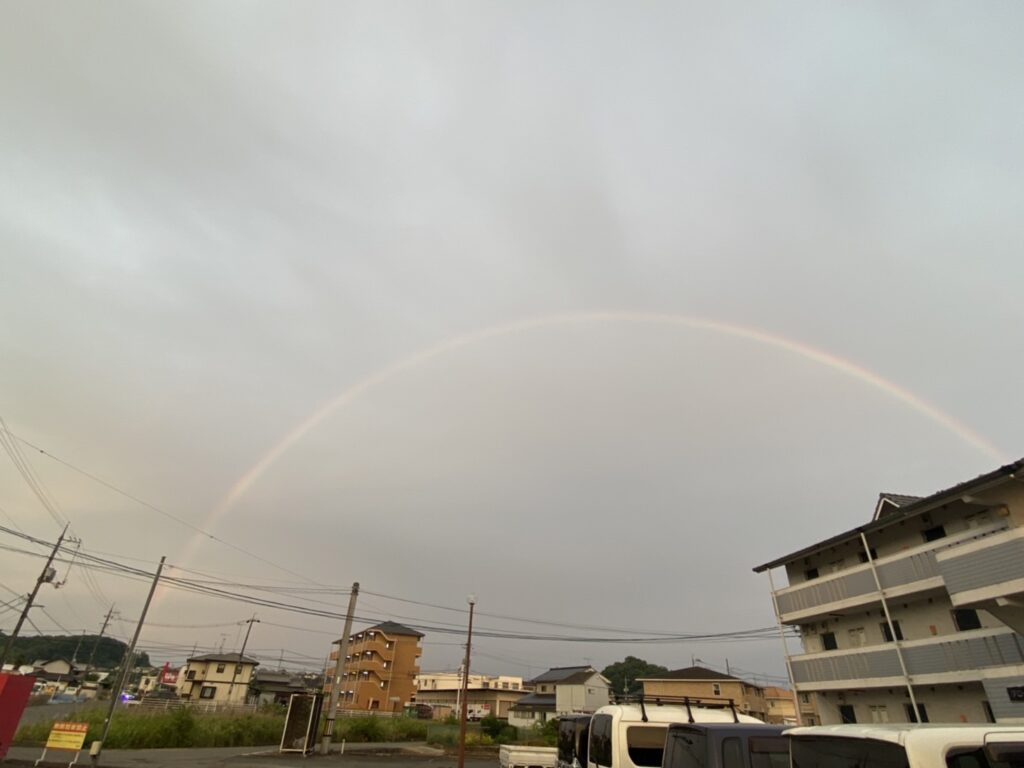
392, 628
775, 692
559, 674
578, 677
235, 658
691, 673
956, 493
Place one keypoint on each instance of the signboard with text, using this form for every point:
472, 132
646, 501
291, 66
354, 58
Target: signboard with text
66, 735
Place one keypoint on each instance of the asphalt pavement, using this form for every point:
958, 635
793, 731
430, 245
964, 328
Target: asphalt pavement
356, 756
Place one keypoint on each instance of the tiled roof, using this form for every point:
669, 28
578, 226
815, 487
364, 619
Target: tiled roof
535, 701
393, 628
559, 674
234, 658
690, 673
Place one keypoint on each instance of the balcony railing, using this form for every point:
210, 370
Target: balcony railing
984, 569
964, 652
917, 565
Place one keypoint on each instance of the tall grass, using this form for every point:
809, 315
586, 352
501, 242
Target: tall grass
379, 729
176, 728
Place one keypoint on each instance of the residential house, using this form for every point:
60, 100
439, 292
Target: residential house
561, 691
379, 669
917, 614
277, 687
486, 694
703, 683
780, 707
217, 678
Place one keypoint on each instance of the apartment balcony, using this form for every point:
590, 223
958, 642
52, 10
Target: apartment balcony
986, 571
964, 657
912, 571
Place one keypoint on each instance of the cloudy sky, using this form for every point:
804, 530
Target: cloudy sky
584, 308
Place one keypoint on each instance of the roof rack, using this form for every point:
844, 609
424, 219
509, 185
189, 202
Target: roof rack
709, 702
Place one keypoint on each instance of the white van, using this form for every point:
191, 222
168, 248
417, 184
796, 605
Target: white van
633, 735
907, 746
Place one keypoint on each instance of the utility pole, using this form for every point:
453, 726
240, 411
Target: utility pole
465, 687
332, 706
96, 644
129, 652
238, 664
47, 575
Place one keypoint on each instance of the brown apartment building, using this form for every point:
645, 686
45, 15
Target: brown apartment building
379, 669
702, 683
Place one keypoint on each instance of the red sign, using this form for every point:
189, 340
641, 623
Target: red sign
168, 676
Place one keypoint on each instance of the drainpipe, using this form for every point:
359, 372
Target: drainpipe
785, 649
892, 629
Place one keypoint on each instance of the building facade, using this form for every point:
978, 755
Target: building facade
217, 678
378, 673
780, 707
918, 614
703, 683
486, 694
561, 691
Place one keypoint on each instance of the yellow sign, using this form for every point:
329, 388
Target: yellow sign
67, 736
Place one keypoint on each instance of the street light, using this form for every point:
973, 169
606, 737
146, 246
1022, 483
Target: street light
465, 685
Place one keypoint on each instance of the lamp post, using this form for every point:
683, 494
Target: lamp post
465, 686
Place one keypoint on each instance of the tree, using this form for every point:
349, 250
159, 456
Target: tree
624, 674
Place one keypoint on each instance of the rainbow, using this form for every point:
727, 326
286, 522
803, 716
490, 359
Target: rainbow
425, 355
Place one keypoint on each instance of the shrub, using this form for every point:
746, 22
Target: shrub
491, 725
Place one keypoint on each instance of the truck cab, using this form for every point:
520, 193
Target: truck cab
633, 735
573, 735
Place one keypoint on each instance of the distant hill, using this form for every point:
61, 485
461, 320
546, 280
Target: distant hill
109, 652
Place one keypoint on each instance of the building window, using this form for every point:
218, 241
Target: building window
864, 555
505, 686
811, 573
238, 669
922, 713
191, 675
965, 619
389, 645
828, 641
933, 534
716, 689
515, 686
220, 668
805, 698
207, 692
846, 714
887, 635
879, 713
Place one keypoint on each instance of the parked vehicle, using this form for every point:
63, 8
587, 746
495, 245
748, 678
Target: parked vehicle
573, 735
907, 746
726, 745
516, 756
633, 735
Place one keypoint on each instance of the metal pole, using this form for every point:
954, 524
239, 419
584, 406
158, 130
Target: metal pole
465, 688
238, 662
96, 644
785, 650
45, 576
115, 694
892, 628
332, 707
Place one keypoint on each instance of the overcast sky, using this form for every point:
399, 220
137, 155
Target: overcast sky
216, 218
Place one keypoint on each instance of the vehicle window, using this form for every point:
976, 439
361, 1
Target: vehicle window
601, 740
645, 745
769, 752
685, 749
996, 756
840, 752
567, 741
732, 753
582, 739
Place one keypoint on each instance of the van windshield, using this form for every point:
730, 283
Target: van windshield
685, 749
645, 745
842, 752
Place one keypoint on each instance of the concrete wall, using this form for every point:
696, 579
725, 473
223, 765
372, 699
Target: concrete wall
943, 704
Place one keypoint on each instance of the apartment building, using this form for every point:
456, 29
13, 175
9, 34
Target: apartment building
379, 669
917, 615
703, 683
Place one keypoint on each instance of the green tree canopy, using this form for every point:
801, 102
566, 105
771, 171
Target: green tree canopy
624, 674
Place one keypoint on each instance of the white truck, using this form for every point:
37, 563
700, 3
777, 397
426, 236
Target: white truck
907, 746
633, 735
516, 756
